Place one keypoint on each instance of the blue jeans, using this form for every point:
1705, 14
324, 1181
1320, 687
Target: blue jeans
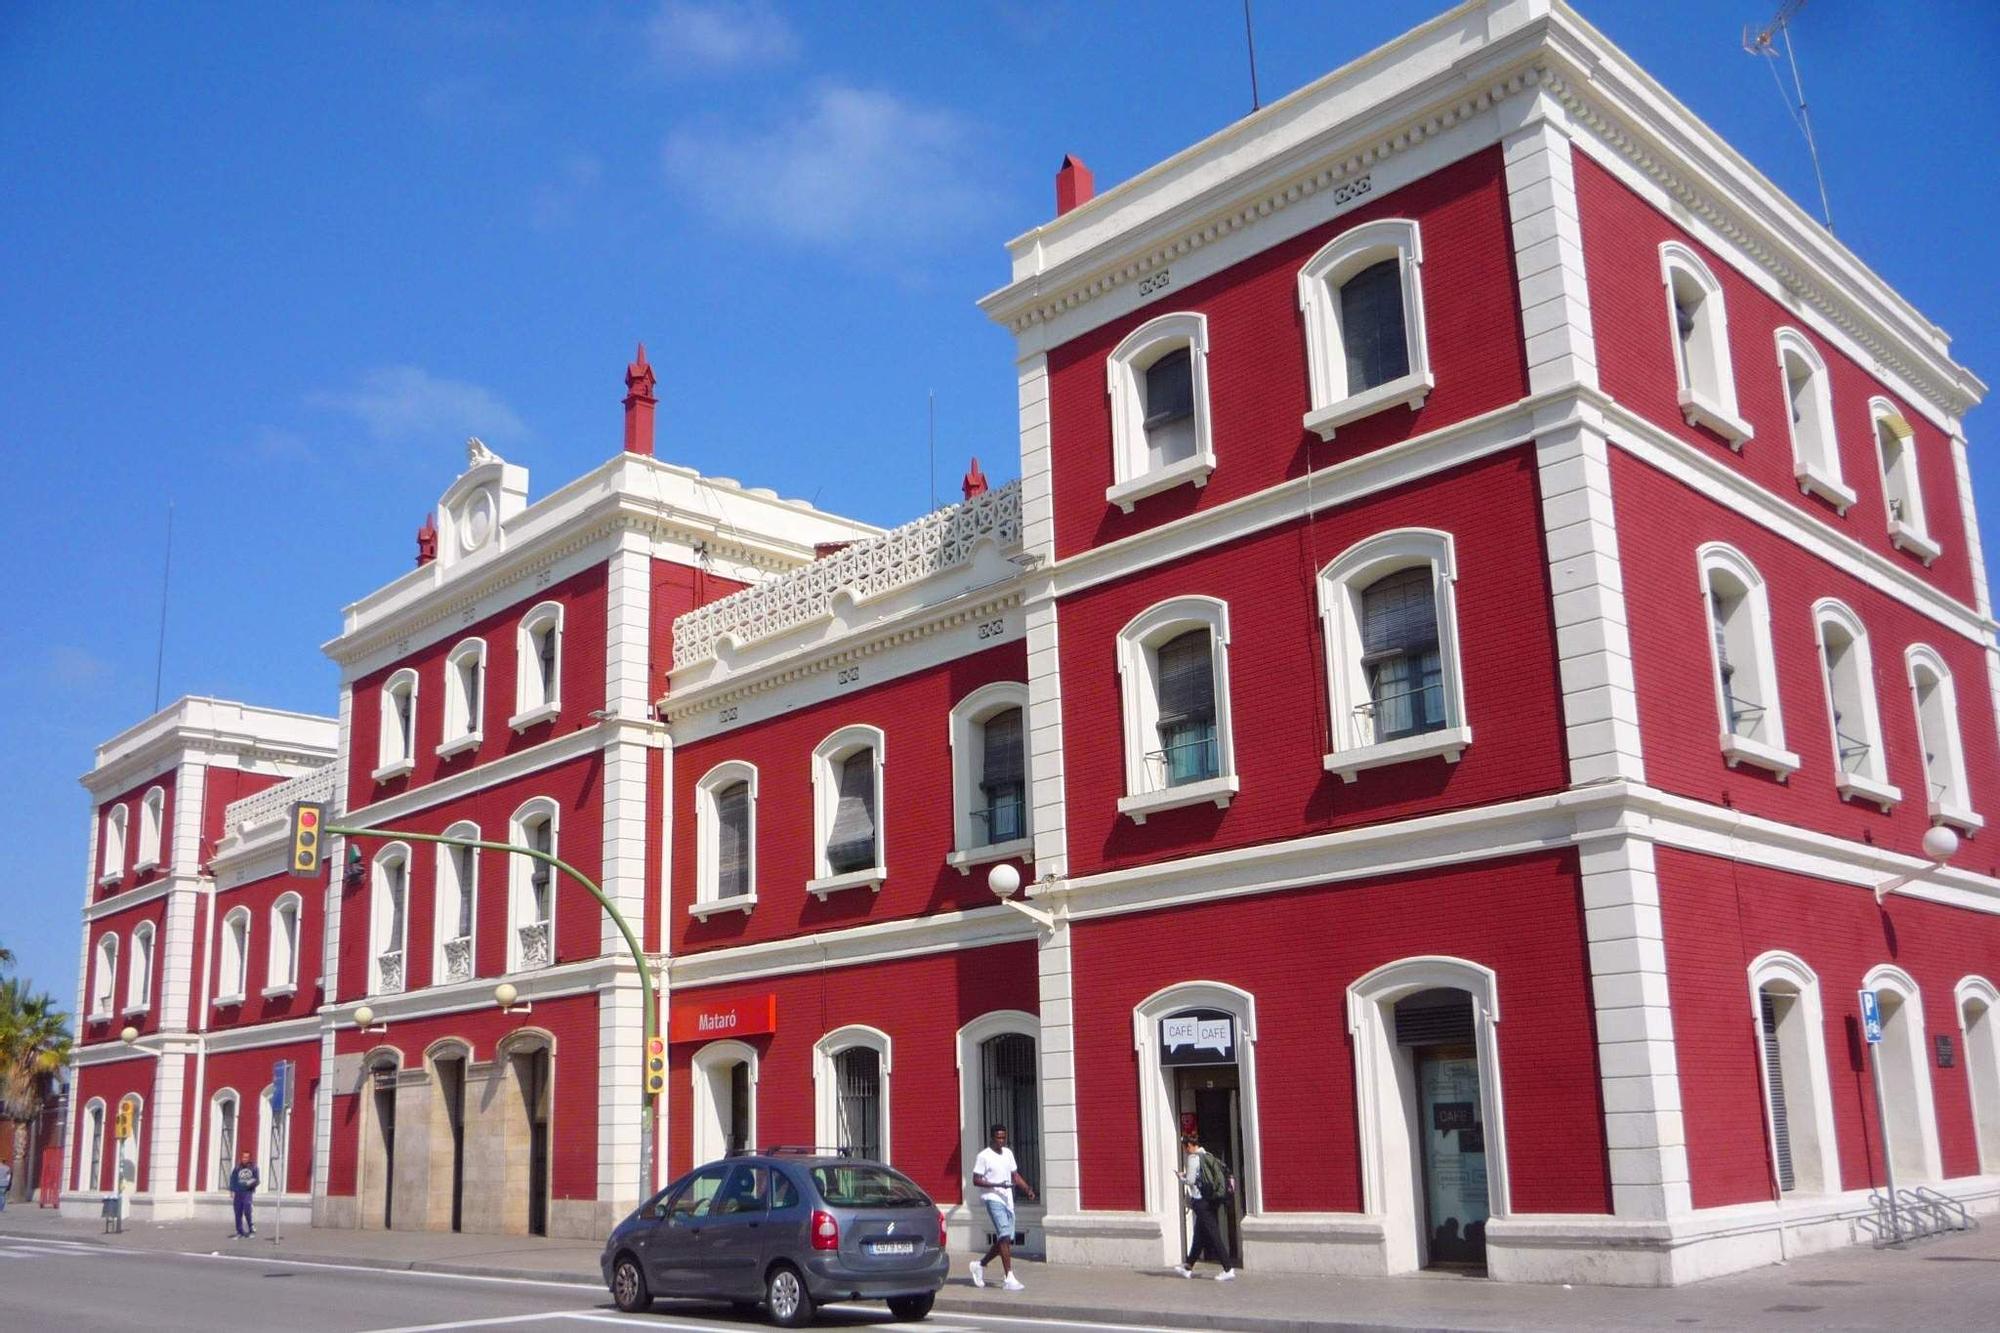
242, 1198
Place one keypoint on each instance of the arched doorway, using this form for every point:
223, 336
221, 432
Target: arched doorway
525, 1072
725, 1099
378, 1139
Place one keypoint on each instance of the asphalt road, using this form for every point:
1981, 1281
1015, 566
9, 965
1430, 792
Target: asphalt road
62, 1285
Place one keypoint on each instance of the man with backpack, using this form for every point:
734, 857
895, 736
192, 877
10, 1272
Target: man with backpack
1208, 1186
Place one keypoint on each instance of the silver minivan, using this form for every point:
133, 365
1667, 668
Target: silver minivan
787, 1229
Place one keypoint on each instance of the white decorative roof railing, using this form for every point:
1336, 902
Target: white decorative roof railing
903, 556
275, 801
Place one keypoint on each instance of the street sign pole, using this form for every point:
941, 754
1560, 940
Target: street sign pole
282, 1076
1871, 1027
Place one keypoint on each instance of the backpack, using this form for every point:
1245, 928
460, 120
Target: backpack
1217, 1184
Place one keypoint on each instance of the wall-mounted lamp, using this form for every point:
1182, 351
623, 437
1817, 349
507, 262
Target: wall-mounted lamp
364, 1021
1940, 845
505, 994
1005, 881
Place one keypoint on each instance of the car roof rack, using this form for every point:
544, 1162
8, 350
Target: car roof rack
804, 1150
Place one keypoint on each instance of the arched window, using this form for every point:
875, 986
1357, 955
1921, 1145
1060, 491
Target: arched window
1173, 675
1979, 1025
111, 867
139, 972
999, 1084
725, 1099
1809, 408
464, 697
281, 958
850, 843
396, 754
1746, 678
90, 1161
725, 816
1902, 485
989, 775
1160, 434
1389, 616
457, 902
1791, 1052
538, 666
1906, 1076
152, 810
851, 1076
1362, 297
1699, 329
1861, 770
1936, 700
232, 979
271, 1171
104, 989
225, 1126
531, 887
389, 921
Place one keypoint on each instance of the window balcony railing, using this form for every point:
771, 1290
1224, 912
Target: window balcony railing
534, 941
1853, 753
1002, 821
389, 971
1392, 716
1182, 762
1745, 718
458, 959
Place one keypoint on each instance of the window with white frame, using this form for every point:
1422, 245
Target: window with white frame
1861, 770
725, 816
851, 1073
849, 843
232, 978
1936, 700
90, 1162
104, 985
1798, 1100
1173, 668
281, 951
1699, 329
1902, 488
1388, 612
272, 1172
152, 810
397, 752
464, 697
538, 666
1746, 681
457, 899
112, 865
1909, 1113
1160, 432
1809, 409
225, 1117
1979, 1025
1362, 297
989, 768
389, 921
139, 972
531, 887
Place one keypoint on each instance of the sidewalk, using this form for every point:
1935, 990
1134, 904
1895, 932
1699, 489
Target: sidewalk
1948, 1283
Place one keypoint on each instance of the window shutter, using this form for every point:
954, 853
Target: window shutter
1170, 389
1187, 679
732, 840
1438, 1017
1399, 613
850, 844
1372, 332
1781, 1130
1003, 765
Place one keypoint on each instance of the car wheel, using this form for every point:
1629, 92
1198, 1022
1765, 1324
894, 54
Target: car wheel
909, 1309
628, 1286
785, 1293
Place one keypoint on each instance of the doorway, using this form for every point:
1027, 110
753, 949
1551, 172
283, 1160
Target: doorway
1208, 1100
1434, 1027
532, 1069
451, 1083
739, 1107
385, 1122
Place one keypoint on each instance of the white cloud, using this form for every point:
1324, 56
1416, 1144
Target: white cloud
408, 402
691, 38
853, 164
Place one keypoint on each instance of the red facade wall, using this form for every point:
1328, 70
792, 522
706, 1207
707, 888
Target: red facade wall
921, 1003
224, 786
1673, 666
1258, 389
580, 684
93, 1028
1278, 681
1719, 915
1297, 953
112, 1083
1622, 235
259, 897
248, 1074
913, 713
129, 877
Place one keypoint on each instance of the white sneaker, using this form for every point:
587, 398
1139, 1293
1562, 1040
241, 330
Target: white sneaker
1182, 1270
1012, 1284
1226, 1275
978, 1274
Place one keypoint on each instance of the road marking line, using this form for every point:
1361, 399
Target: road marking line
469, 1323
269, 1259
650, 1321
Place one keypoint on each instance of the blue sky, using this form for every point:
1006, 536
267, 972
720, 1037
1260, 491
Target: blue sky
273, 264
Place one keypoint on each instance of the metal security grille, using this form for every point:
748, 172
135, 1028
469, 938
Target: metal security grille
1435, 1018
1781, 1129
1371, 326
858, 1073
1007, 1097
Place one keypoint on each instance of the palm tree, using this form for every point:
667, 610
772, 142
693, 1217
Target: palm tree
34, 1046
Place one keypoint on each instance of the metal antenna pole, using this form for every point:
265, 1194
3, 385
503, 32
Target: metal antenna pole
1250, 40
1761, 43
1805, 123
166, 571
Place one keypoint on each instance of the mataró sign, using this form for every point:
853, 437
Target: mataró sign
1198, 1037
713, 1020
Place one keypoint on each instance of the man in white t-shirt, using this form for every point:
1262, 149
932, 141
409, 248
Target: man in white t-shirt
996, 1175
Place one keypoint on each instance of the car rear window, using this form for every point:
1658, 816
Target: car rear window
863, 1186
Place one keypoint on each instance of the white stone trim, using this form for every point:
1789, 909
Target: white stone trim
232, 983
382, 939
1133, 476
1334, 403
1801, 1050
520, 873
1138, 642
464, 726
139, 978
1816, 449
1759, 740
972, 1133
707, 821
281, 971
1703, 366
533, 703
1908, 530
964, 734
1870, 782
1952, 805
1982, 1072
1906, 1058
152, 813
826, 1084
709, 1135
104, 987
446, 891
395, 755
826, 757
111, 868
1548, 245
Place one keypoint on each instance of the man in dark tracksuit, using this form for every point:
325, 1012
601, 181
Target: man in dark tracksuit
243, 1182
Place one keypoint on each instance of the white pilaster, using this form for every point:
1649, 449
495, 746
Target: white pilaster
1060, 1185
620, 1032
166, 1118
1045, 754
1548, 246
336, 850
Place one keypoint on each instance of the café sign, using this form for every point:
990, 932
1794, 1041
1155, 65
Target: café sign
1198, 1037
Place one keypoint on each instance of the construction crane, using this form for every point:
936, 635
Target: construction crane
1763, 42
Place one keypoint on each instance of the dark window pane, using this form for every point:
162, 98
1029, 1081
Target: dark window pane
1170, 389
858, 1072
1372, 332
732, 840
850, 845
1002, 783
1400, 654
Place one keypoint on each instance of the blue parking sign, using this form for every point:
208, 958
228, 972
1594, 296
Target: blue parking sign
1871, 1017
281, 1085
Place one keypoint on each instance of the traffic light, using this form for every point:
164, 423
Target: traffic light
307, 816
124, 1128
656, 1066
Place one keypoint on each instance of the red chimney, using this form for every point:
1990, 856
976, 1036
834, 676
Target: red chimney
1074, 186
975, 481
639, 404
427, 542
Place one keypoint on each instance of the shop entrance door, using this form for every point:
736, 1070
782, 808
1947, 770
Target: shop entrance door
1436, 1026
1208, 1099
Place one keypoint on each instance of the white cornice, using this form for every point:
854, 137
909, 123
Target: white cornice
940, 933
507, 768
208, 730
159, 888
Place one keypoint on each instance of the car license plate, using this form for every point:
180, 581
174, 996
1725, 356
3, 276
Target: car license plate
892, 1247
